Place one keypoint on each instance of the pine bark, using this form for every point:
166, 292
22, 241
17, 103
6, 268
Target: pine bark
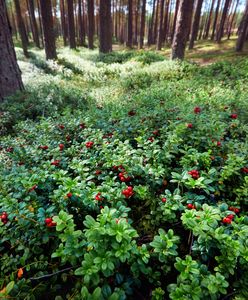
91, 22
160, 27
130, 24
209, 20
81, 29
215, 19
63, 22
71, 24
142, 25
47, 23
10, 74
21, 27
105, 26
222, 21
175, 19
232, 20
196, 24
150, 32
182, 29
242, 30
34, 26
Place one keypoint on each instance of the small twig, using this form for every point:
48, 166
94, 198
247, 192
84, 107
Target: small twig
52, 274
229, 295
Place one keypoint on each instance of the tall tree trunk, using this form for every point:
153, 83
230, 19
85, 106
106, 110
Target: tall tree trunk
21, 28
81, 30
175, 19
150, 32
155, 29
47, 23
166, 22
209, 20
196, 24
130, 24
105, 26
182, 29
215, 19
71, 24
91, 22
10, 74
242, 30
63, 22
160, 27
142, 25
232, 20
222, 21
34, 26
137, 10
40, 24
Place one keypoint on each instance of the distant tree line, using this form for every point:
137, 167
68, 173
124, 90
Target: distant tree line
134, 23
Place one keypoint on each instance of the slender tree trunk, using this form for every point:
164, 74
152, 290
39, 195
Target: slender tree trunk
63, 22
142, 25
91, 23
21, 27
242, 30
150, 32
47, 23
166, 22
175, 19
222, 21
137, 10
71, 24
81, 29
182, 29
130, 24
155, 29
196, 24
105, 26
215, 19
40, 24
232, 20
10, 74
160, 27
209, 20
34, 26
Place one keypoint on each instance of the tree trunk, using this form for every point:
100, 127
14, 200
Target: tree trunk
40, 24
232, 20
63, 22
34, 26
166, 22
209, 20
130, 24
222, 21
160, 28
81, 29
182, 29
137, 10
142, 25
242, 30
150, 32
91, 24
10, 74
196, 24
175, 19
71, 24
215, 19
155, 30
47, 23
105, 26
21, 28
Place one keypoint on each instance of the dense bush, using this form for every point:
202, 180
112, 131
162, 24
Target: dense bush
141, 194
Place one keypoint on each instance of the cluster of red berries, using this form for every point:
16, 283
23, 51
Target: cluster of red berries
61, 126
49, 222
190, 206
89, 144
228, 219
244, 170
43, 147
194, 174
98, 172
164, 200
233, 116
107, 135
56, 162
234, 209
119, 168
98, 197
151, 139
34, 187
4, 217
69, 195
197, 110
132, 113
189, 125
61, 147
123, 178
128, 192
82, 125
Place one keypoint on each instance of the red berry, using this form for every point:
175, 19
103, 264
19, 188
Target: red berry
69, 195
61, 126
218, 144
233, 116
190, 206
226, 220
197, 110
244, 170
48, 220
190, 125
61, 147
44, 147
55, 162
164, 200
89, 144
230, 216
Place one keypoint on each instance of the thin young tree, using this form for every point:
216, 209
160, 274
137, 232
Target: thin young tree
175, 19
160, 27
21, 27
130, 24
215, 19
63, 22
47, 23
232, 20
209, 20
150, 31
81, 29
105, 26
182, 29
71, 24
242, 30
196, 23
10, 74
91, 27
142, 25
222, 21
